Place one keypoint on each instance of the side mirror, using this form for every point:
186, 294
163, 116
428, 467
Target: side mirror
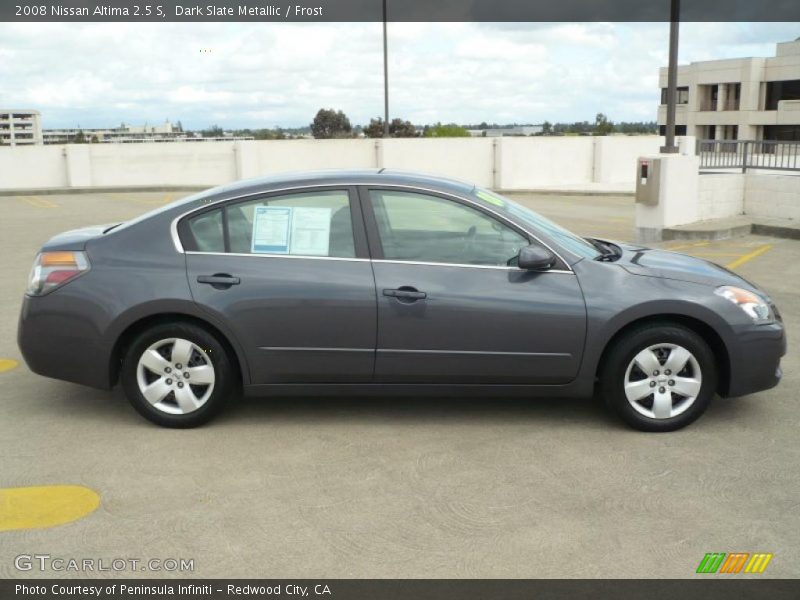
536, 258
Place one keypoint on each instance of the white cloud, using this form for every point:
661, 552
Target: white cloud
261, 75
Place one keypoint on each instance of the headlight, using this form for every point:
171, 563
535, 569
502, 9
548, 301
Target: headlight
53, 269
754, 305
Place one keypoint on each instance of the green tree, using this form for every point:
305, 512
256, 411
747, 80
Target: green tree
602, 126
94, 140
78, 138
547, 128
397, 128
213, 131
449, 130
329, 123
374, 129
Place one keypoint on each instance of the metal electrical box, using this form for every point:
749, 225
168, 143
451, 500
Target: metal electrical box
648, 177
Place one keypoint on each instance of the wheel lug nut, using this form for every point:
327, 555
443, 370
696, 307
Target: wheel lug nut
186, 375
667, 372
167, 370
180, 384
169, 381
652, 384
655, 373
661, 390
671, 382
178, 366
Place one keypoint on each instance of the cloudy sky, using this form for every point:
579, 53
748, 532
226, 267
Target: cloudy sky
263, 75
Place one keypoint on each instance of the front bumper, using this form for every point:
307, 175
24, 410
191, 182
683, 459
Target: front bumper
755, 357
58, 338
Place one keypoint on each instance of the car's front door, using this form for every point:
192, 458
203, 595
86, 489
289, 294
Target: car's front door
452, 310
289, 273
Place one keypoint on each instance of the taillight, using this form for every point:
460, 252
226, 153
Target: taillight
53, 269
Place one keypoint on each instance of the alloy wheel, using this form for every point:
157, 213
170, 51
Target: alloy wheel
175, 376
662, 381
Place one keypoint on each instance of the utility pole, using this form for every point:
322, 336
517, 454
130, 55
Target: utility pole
672, 77
385, 77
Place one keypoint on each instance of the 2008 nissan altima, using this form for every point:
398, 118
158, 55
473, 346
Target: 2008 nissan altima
379, 282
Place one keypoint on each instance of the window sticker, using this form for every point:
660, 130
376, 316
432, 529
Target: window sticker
490, 198
311, 231
271, 230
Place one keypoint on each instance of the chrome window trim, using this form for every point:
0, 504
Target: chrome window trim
295, 256
370, 260
462, 265
378, 185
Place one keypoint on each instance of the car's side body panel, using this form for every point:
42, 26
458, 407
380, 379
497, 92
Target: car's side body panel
478, 325
299, 319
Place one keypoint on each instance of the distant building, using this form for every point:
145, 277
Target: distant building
501, 131
20, 127
127, 134
746, 98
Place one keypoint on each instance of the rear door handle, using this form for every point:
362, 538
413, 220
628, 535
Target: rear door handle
405, 293
220, 281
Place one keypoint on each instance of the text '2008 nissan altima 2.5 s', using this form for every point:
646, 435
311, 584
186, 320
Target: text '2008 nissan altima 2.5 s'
378, 282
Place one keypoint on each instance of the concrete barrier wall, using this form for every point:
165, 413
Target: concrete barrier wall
615, 157
33, 166
772, 196
508, 163
469, 159
720, 195
280, 156
160, 164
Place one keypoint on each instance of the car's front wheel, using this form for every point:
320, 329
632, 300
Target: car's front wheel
177, 375
659, 377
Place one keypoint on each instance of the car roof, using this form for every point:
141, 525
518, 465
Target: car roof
344, 176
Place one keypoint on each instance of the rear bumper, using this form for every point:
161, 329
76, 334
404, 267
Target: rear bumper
755, 364
61, 341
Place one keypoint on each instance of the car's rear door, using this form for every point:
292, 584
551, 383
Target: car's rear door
451, 309
288, 271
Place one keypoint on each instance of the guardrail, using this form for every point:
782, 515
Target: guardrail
749, 154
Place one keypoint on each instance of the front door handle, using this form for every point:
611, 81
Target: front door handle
219, 281
405, 293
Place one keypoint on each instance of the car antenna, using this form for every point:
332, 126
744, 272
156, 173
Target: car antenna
381, 170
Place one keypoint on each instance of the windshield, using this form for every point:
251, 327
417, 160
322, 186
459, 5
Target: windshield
563, 237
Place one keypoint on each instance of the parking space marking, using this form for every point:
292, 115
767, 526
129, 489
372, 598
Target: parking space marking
749, 256
6, 364
684, 246
38, 507
38, 202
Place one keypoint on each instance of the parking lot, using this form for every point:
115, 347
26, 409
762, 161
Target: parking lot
415, 487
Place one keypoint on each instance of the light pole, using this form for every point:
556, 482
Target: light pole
672, 77
385, 77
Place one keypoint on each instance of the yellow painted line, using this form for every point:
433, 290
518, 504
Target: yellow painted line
43, 506
39, 202
6, 364
716, 253
683, 246
750, 256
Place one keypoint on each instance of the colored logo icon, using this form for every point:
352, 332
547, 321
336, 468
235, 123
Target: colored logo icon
735, 562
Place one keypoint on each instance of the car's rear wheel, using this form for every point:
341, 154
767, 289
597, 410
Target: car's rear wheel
177, 375
659, 377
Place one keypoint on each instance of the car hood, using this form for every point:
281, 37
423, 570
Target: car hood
652, 262
76, 239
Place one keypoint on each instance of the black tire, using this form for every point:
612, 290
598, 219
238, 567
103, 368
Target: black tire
615, 365
224, 384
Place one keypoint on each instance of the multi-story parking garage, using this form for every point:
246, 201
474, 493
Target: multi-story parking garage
738, 99
20, 127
